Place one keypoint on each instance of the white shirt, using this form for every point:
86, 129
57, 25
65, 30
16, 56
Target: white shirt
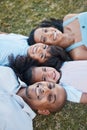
15, 114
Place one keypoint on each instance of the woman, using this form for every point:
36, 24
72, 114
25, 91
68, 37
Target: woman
69, 33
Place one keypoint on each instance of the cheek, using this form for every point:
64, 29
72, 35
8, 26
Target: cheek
49, 79
36, 57
49, 41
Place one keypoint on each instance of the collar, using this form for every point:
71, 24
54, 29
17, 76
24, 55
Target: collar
24, 106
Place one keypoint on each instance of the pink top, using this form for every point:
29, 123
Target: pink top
74, 73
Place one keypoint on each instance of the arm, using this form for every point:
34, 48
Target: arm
79, 53
83, 98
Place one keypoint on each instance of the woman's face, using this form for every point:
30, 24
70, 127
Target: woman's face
45, 74
39, 52
48, 35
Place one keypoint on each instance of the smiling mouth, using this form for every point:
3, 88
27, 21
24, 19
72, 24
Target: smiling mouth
55, 36
54, 75
54, 99
37, 91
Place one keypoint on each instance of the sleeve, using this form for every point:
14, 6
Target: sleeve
12, 36
19, 36
73, 94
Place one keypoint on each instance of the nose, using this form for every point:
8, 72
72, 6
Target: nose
39, 50
46, 90
50, 33
50, 74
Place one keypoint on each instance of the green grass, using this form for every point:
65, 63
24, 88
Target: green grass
20, 16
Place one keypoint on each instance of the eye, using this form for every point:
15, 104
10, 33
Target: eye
44, 47
51, 85
44, 69
41, 56
45, 30
44, 39
44, 79
37, 85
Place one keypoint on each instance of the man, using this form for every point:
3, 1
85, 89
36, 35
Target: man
42, 97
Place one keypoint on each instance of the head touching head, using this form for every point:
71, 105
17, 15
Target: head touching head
46, 97
34, 36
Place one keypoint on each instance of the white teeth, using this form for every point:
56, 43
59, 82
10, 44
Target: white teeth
54, 75
34, 49
55, 35
37, 92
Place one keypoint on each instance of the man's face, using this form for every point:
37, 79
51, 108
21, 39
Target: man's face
45, 74
45, 95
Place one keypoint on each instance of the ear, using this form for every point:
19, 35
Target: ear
44, 112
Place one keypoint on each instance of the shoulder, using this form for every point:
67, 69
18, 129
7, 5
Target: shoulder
5, 69
79, 53
68, 16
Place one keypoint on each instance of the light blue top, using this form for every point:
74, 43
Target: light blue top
82, 18
15, 114
15, 44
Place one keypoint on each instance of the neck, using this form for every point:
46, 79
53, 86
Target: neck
67, 40
21, 92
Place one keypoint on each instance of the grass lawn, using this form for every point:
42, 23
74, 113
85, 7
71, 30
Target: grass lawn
20, 16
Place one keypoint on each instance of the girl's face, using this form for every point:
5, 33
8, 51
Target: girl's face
48, 35
39, 52
45, 74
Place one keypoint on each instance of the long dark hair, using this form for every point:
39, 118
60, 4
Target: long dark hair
58, 56
56, 23
20, 64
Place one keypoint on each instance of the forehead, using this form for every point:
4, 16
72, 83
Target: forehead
40, 71
37, 34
